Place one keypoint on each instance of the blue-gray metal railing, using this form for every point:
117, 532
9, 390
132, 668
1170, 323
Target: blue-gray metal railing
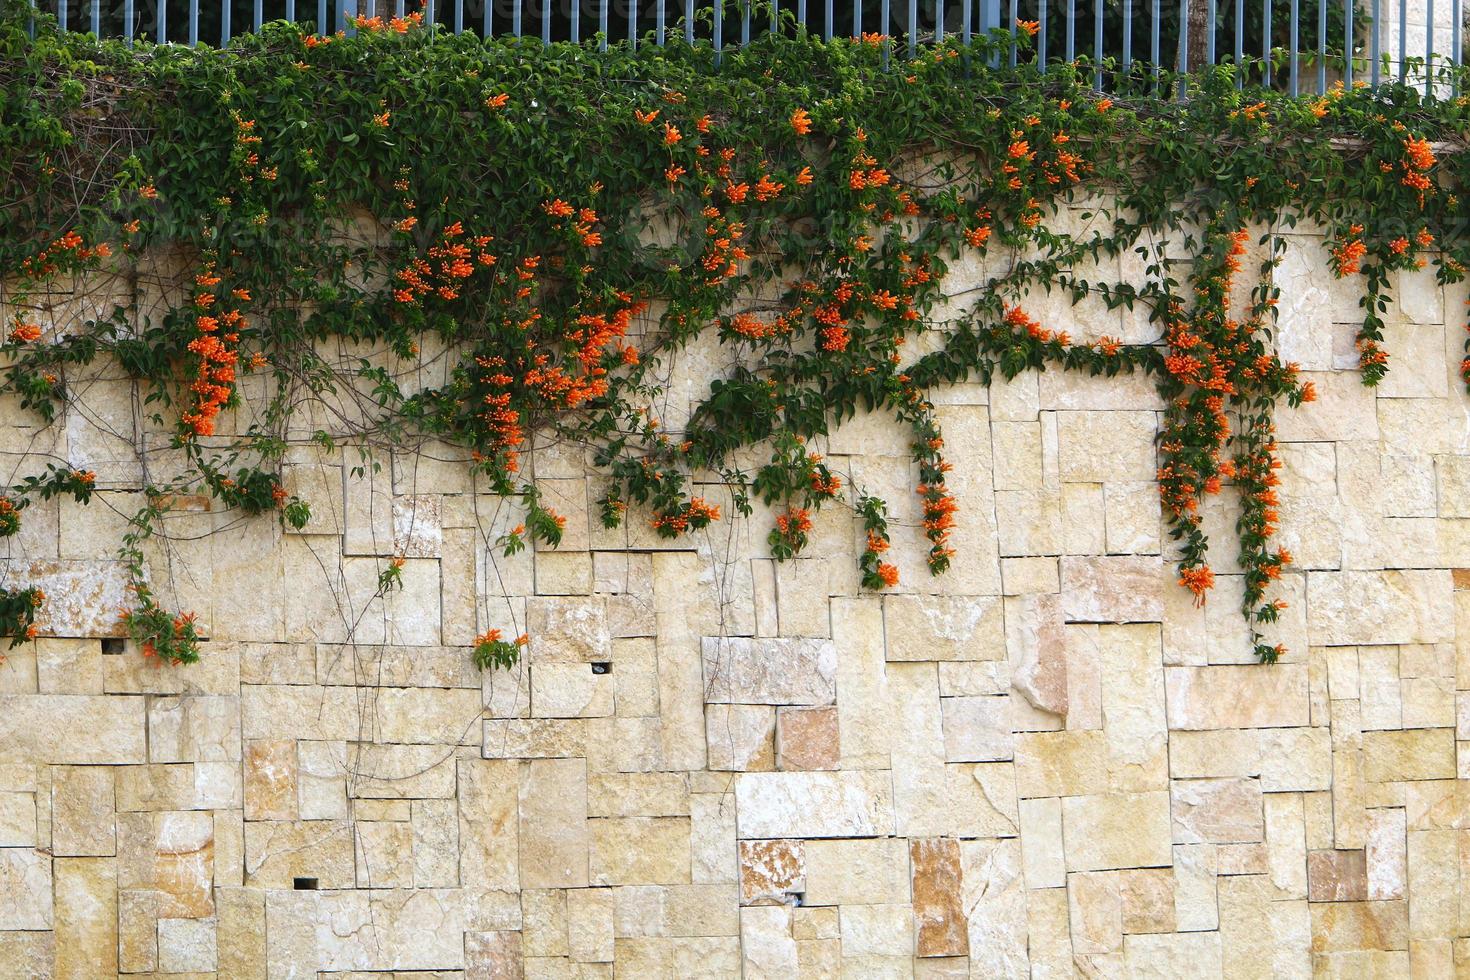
1271, 38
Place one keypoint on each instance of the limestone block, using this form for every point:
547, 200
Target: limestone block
25, 889
1408, 606
1042, 852
876, 931
540, 738
950, 628
427, 716
1050, 940
493, 955
383, 930
568, 630
767, 947
769, 671
814, 804
82, 597
977, 729
277, 852
271, 781
187, 946
857, 872
240, 937
995, 904
1102, 446
772, 871
1122, 589
942, 928
741, 737
83, 803
639, 850
18, 820
1084, 525
1237, 696
676, 910
560, 573
1344, 409
554, 836
1029, 522
1217, 811
1360, 925
312, 713
807, 738
1018, 456
802, 590
1433, 884
679, 957
86, 917
1061, 763
488, 823
641, 794
857, 630
1286, 843
544, 922
1386, 855
1337, 876
384, 854
194, 729
40, 729
1420, 753
1132, 518
1027, 576
1095, 905
65, 666
570, 690
1196, 897
1116, 830
1147, 897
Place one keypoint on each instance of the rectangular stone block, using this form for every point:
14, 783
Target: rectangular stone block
25, 889
83, 805
1369, 607
814, 804
749, 670
1115, 589
554, 838
86, 917
1237, 696
43, 729
1117, 830
857, 872
939, 916
945, 628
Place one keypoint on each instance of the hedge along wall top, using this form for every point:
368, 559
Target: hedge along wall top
538, 232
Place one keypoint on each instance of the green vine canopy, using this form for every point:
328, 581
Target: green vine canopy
554, 225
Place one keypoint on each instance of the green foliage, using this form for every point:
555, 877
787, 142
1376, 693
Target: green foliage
529, 213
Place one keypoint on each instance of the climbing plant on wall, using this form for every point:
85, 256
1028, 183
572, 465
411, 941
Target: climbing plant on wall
560, 222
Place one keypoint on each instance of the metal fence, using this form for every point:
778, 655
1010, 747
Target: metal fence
1294, 45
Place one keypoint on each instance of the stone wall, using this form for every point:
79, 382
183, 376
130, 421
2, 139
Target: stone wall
1046, 762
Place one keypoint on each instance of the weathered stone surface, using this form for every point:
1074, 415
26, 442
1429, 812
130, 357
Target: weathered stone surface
840, 804
995, 903
928, 628
1367, 607
40, 729
746, 670
1116, 830
1113, 589
1229, 696
271, 780
741, 737
771, 871
86, 917
553, 831
767, 947
942, 928
857, 872
568, 630
808, 738
977, 729
277, 852
82, 807
385, 930
1217, 811
25, 889
1337, 876
82, 597
639, 850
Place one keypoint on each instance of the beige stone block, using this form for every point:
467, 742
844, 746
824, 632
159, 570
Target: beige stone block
974, 679
876, 931
1030, 576
977, 729
187, 946
1050, 940
1237, 696
1113, 589
426, 716
642, 794
65, 666
741, 737
681, 957
1286, 843
560, 573
769, 671
18, 820
493, 956
278, 852
384, 854
943, 628
568, 629
1217, 811
1337, 876
554, 835
1061, 763
1359, 925
1036, 640
240, 941
194, 729
815, 804
570, 690
1147, 897
538, 738
270, 778
83, 804
767, 947
1095, 908
772, 871
321, 777
807, 738
1434, 887
857, 872
1098, 447
995, 903
1131, 704
25, 889
1029, 522
386, 930
86, 917
1395, 606
1158, 957
1132, 517
137, 931
40, 729
30, 954
802, 590
857, 630
712, 837
1122, 830
1386, 855
1421, 753
676, 910
82, 597
1042, 851
639, 850
590, 925
942, 928
544, 922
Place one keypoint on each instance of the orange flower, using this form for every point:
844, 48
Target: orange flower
24, 333
1198, 580
646, 118
1029, 27
888, 573
1103, 105
671, 134
497, 101
805, 177
672, 174
801, 122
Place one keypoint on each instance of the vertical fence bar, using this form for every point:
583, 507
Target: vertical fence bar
938, 21
801, 15
632, 23
857, 18
398, 12
1097, 19
885, 14
913, 28
545, 22
1240, 42
1014, 14
689, 22
128, 21
601, 21
658, 22
1429, 47
458, 16
1455, 56
1403, 39
257, 14
61, 15
1071, 35
964, 20
291, 11
1295, 67
321, 17
775, 16
515, 15
1210, 36
719, 30
1127, 35
487, 23
1153, 43
1266, 41
1182, 62
827, 21
1041, 35
1347, 43
1321, 47
1373, 45
224, 23
193, 21
97, 19
161, 34
744, 22
576, 24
